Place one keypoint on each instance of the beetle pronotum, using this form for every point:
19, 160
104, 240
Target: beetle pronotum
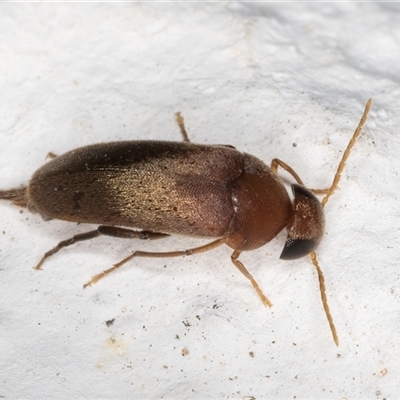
163, 188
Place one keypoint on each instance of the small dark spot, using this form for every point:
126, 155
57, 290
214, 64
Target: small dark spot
76, 198
185, 352
251, 354
110, 322
143, 235
186, 323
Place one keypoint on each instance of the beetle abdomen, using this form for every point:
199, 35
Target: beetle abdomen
169, 187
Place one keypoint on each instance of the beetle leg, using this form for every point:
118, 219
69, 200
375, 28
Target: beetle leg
101, 230
51, 155
188, 252
124, 233
235, 259
181, 123
277, 162
76, 238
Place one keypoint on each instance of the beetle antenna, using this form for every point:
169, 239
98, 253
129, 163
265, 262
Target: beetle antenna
329, 192
346, 153
322, 290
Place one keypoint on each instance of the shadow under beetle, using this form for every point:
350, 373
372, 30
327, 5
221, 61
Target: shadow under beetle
163, 188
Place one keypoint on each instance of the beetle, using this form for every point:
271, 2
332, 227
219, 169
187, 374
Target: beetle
152, 189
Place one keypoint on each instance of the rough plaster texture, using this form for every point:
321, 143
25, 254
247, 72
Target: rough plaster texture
285, 80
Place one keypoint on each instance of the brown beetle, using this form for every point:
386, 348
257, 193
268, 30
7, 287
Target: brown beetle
163, 188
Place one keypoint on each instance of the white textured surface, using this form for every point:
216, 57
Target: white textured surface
260, 77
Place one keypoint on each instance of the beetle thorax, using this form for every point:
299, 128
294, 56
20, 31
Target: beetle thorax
262, 207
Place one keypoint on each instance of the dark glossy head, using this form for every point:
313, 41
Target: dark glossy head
306, 227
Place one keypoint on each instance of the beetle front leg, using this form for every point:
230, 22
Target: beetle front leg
276, 162
235, 259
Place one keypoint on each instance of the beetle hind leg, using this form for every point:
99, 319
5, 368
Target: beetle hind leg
105, 230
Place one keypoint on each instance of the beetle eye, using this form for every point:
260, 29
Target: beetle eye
306, 226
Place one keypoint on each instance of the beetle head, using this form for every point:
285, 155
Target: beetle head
306, 226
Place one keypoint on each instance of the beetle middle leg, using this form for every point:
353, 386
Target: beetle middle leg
105, 230
195, 250
148, 254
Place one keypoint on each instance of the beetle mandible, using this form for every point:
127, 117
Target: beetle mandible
161, 188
